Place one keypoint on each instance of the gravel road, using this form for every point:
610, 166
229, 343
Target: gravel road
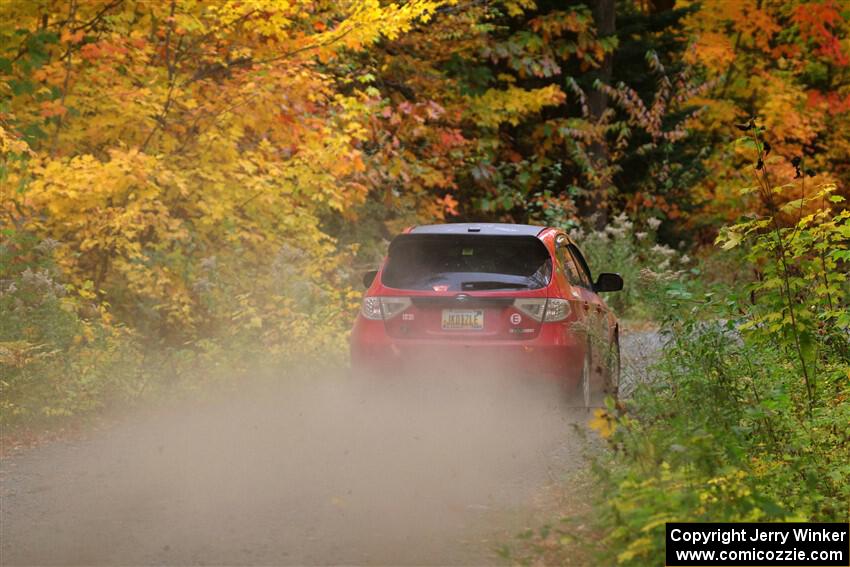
328, 471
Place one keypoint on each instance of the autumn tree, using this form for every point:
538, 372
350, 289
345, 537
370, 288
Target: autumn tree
166, 134
786, 65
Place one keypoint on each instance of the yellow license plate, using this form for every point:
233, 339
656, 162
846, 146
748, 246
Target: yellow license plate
463, 319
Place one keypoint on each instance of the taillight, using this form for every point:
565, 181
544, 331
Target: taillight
544, 310
371, 308
377, 308
557, 310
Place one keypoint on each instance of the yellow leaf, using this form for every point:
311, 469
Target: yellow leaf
603, 423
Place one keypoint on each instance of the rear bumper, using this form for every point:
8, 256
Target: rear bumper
557, 352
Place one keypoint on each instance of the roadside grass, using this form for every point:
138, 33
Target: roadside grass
722, 433
569, 536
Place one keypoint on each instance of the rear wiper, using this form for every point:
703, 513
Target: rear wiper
492, 285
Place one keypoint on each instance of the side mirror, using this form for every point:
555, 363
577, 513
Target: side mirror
608, 282
369, 277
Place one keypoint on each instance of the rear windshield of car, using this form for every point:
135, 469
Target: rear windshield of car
448, 262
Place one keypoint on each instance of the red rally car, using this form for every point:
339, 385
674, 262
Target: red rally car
521, 296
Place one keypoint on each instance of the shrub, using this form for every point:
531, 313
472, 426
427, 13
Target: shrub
631, 248
721, 435
63, 355
59, 353
746, 416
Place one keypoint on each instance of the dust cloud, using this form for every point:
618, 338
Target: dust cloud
343, 469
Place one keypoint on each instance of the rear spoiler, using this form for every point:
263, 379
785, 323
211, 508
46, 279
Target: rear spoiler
405, 238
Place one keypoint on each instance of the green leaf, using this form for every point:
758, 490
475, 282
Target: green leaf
729, 239
24, 86
791, 206
33, 132
746, 142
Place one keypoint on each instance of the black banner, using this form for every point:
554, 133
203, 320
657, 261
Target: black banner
761, 544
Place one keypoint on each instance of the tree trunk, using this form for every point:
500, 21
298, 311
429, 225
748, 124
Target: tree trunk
604, 16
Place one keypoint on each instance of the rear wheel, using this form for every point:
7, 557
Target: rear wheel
612, 370
585, 384
593, 387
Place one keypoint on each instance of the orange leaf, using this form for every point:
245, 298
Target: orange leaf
76, 37
52, 108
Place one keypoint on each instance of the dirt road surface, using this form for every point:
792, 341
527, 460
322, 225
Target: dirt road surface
321, 473
328, 471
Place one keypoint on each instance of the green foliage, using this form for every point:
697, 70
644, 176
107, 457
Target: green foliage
722, 434
802, 249
59, 355
631, 249
745, 417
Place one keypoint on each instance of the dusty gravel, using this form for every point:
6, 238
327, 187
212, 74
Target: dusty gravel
329, 471
640, 349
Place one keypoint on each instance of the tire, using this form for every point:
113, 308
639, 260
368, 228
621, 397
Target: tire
593, 388
611, 384
584, 393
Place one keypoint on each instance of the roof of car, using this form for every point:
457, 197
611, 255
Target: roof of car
486, 228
